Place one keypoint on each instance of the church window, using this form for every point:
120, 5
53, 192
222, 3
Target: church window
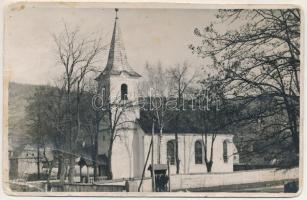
124, 92
225, 153
198, 152
171, 150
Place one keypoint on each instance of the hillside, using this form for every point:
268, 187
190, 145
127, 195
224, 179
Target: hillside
18, 100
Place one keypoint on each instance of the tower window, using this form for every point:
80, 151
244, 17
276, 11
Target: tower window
124, 92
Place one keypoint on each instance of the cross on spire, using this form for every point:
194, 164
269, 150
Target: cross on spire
116, 10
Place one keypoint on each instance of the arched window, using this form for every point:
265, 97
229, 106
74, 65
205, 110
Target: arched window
171, 150
225, 152
198, 152
124, 92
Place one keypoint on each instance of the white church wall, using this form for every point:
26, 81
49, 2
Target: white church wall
128, 154
186, 152
139, 152
122, 155
130, 150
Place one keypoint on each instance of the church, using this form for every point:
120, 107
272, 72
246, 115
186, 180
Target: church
118, 82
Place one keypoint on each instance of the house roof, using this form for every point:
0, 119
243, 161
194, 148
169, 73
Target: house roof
117, 59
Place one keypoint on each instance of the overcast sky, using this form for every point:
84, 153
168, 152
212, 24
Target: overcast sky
149, 35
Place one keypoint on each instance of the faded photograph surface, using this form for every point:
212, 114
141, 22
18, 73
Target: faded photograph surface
152, 100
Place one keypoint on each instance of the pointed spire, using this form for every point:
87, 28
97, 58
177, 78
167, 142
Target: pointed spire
117, 60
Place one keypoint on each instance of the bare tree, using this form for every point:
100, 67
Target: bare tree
56, 117
210, 116
77, 55
158, 85
181, 78
262, 58
92, 124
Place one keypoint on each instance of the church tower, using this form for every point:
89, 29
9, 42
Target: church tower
118, 84
118, 81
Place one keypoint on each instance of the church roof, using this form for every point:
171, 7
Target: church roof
117, 59
190, 120
188, 123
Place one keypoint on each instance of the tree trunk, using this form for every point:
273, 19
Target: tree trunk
87, 174
72, 163
38, 164
95, 150
95, 171
209, 166
295, 139
62, 168
59, 170
159, 146
294, 131
80, 173
177, 154
292, 120
71, 172
66, 171
109, 166
176, 133
49, 175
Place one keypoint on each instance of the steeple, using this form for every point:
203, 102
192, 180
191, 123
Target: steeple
117, 59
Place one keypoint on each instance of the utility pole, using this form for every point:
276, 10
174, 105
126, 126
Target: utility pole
143, 174
152, 158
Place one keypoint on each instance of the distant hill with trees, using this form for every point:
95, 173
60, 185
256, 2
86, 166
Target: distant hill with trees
17, 101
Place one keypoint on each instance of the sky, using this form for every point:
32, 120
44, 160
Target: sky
149, 35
